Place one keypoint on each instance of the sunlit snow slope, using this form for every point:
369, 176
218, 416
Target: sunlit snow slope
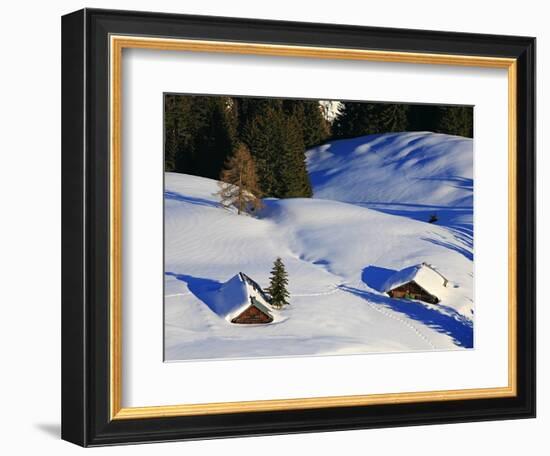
338, 251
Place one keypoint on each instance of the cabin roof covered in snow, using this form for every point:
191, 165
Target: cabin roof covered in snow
235, 296
423, 274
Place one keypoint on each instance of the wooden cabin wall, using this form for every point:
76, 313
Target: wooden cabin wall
413, 289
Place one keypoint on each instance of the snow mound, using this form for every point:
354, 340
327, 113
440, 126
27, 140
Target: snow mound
231, 298
424, 275
236, 295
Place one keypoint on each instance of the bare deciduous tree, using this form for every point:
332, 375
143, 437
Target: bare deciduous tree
239, 182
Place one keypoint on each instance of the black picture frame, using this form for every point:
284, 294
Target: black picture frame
85, 224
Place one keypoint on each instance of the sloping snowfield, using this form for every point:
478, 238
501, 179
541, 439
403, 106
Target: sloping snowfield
368, 219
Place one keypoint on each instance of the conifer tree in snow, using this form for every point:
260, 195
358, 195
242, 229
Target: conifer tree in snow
239, 182
391, 118
358, 119
212, 139
456, 120
278, 285
310, 120
450, 120
275, 140
199, 134
294, 179
177, 123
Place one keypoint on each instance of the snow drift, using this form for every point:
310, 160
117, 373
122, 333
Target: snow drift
234, 296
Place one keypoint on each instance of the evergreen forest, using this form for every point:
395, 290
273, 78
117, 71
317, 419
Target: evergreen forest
203, 133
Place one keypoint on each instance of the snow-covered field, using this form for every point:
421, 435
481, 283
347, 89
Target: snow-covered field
368, 218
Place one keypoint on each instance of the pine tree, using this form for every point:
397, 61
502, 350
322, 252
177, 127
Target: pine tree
199, 134
294, 181
451, 120
239, 182
275, 140
391, 118
313, 125
278, 285
170, 134
178, 127
261, 135
455, 120
352, 121
212, 139
358, 119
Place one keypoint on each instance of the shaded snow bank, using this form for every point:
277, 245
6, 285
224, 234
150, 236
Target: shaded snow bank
411, 174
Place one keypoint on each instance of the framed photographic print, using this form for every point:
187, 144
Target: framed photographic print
275, 227
286, 255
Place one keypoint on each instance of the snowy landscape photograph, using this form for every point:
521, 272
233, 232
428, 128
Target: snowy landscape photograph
301, 227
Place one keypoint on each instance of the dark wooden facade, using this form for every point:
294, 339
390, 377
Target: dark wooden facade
252, 315
412, 290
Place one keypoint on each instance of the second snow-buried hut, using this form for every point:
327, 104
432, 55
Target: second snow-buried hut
420, 282
241, 300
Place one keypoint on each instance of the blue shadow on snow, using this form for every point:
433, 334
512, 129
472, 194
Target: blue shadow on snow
375, 277
199, 286
465, 252
454, 325
189, 199
422, 212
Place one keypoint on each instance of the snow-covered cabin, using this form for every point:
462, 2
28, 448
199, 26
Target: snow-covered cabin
241, 300
421, 282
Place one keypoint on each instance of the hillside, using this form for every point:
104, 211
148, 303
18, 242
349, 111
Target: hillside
412, 174
338, 255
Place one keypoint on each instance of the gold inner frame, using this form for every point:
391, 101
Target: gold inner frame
117, 44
